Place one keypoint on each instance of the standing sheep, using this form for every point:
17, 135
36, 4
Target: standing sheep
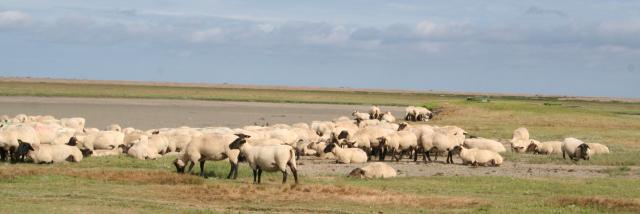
267, 158
360, 115
374, 113
213, 147
520, 140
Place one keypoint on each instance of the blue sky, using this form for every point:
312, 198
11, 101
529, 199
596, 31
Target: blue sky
589, 48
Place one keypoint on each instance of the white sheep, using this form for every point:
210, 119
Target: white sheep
446, 138
346, 155
9, 140
142, 149
360, 115
545, 148
398, 143
100, 140
597, 149
77, 123
267, 158
214, 147
388, 117
520, 140
114, 127
422, 114
478, 156
575, 149
374, 170
483, 143
51, 153
104, 152
374, 112
410, 113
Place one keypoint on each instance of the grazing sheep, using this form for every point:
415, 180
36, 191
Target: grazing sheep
399, 143
267, 158
213, 147
478, 157
520, 140
346, 155
50, 153
575, 149
388, 117
597, 149
374, 113
374, 170
422, 114
446, 138
545, 148
483, 143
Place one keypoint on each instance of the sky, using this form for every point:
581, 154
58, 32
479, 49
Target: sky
569, 47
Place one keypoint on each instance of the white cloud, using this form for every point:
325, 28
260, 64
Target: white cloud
209, 35
337, 36
14, 18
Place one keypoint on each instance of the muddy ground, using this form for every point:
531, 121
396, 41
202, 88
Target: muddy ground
153, 113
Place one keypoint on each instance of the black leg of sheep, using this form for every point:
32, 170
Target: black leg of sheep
259, 175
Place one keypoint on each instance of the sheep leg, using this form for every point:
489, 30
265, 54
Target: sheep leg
259, 175
427, 156
3, 154
415, 155
563, 154
284, 176
294, 171
397, 157
191, 166
255, 176
202, 169
233, 168
12, 154
449, 157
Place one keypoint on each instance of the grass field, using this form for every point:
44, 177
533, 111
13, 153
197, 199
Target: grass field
125, 185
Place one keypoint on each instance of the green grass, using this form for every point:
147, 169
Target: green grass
121, 184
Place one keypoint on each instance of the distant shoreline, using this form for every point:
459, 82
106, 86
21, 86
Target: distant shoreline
299, 88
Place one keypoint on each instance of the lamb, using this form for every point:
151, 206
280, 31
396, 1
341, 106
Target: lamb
545, 148
213, 147
374, 113
575, 149
478, 156
597, 149
346, 155
360, 115
374, 170
50, 153
388, 117
483, 143
9, 140
267, 158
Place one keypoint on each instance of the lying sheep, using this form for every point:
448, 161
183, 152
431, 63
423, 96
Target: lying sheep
346, 155
100, 140
575, 149
422, 114
478, 157
267, 158
374, 113
105, 153
50, 153
144, 149
483, 143
213, 147
545, 148
520, 140
374, 170
597, 149
360, 115
76, 123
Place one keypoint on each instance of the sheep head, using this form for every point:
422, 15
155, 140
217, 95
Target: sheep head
238, 142
180, 165
23, 148
329, 148
457, 150
584, 150
343, 135
402, 126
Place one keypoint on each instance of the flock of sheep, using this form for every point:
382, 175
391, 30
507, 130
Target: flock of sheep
358, 139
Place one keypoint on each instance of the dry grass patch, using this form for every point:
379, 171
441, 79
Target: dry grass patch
598, 202
312, 193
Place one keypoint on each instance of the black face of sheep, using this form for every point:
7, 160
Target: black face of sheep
242, 139
179, 169
402, 126
532, 148
456, 150
73, 141
155, 132
21, 151
584, 150
329, 148
86, 152
357, 173
343, 135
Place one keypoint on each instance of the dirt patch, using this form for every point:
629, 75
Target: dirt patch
596, 202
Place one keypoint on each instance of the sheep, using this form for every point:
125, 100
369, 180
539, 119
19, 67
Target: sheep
318, 147
322, 128
478, 156
367, 123
399, 143
213, 147
374, 113
114, 127
575, 149
20, 118
77, 123
360, 115
346, 155
9, 140
446, 138
545, 148
422, 114
289, 137
374, 170
100, 140
301, 125
410, 113
143, 149
368, 139
597, 149
520, 140
181, 137
483, 143
388, 117
50, 153
104, 152
47, 132
267, 158
302, 149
